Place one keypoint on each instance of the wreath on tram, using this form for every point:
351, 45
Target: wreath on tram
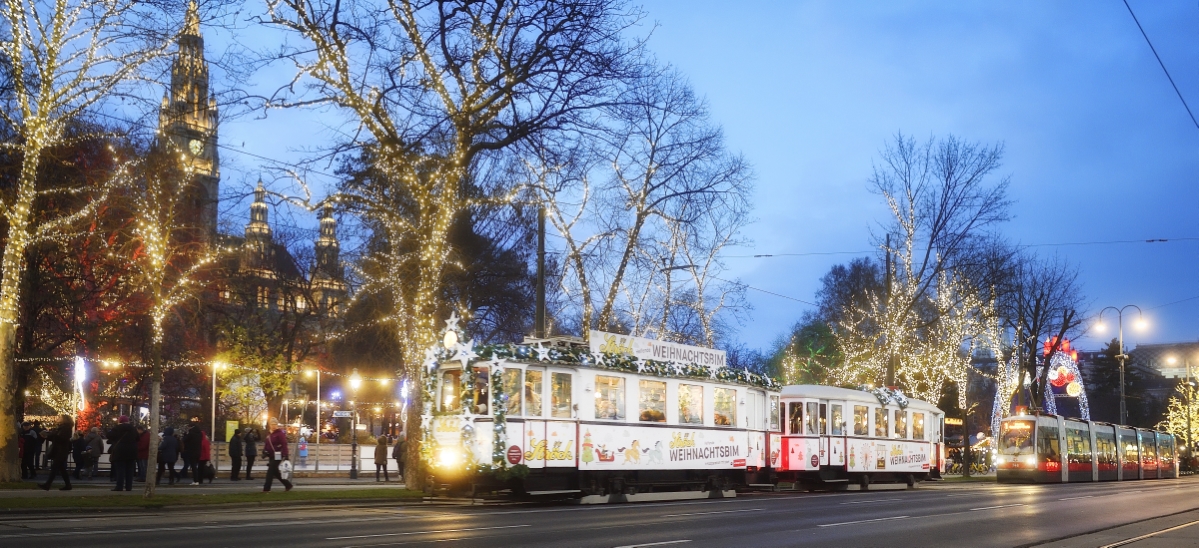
887, 395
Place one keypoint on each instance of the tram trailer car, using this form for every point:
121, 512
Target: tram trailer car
1030, 449
837, 436
586, 430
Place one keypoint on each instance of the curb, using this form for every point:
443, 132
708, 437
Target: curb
150, 506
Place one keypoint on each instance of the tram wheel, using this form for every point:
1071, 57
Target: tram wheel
864, 482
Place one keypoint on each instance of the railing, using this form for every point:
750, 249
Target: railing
334, 458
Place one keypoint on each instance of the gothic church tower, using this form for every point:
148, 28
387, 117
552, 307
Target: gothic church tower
188, 122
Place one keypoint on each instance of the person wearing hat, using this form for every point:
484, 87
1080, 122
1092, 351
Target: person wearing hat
122, 454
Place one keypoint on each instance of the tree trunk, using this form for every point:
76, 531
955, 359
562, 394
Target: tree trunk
155, 415
9, 465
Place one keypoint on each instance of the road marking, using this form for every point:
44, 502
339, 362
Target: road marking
429, 532
185, 528
1082, 497
1143, 537
706, 513
994, 507
663, 543
861, 521
868, 501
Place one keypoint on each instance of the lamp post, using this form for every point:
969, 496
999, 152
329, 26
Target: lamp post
316, 438
355, 382
215, 366
1140, 324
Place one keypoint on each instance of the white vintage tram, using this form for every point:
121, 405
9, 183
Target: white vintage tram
1053, 449
573, 423
577, 427
837, 436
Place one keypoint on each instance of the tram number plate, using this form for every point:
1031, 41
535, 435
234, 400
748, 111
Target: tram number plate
815, 460
514, 454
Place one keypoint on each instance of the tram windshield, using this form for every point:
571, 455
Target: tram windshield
1015, 438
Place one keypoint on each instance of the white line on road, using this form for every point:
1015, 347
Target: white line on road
1142, 537
861, 521
994, 507
868, 501
717, 512
663, 543
429, 532
1082, 497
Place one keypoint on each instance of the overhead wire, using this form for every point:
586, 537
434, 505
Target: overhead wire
1163, 65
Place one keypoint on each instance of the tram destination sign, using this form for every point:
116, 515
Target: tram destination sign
650, 349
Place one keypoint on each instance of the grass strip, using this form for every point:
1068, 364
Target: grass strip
135, 500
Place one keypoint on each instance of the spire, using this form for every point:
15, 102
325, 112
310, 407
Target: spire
328, 264
258, 212
191, 22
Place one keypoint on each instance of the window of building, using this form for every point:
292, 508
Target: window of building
901, 424
917, 426
774, 413
533, 392
451, 390
813, 428
652, 401
838, 420
609, 397
860, 420
691, 404
513, 389
301, 304
795, 418
880, 423
725, 400
560, 395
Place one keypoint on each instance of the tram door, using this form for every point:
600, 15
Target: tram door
837, 443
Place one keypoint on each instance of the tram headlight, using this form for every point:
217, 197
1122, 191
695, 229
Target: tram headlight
448, 457
1031, 461
999, 460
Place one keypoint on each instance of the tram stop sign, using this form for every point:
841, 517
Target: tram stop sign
514, 454
815, 460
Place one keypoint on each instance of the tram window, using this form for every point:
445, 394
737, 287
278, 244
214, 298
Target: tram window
1048, 445
795, 418
860, 418
838, 420
1148, 448
512, 389
609, 397
533, 392
725, 407
823, 419
652, 402
901, 424
1131, 452
880, 423
691, 404
813, 419
1078, 446
1015, 438
774, 413
451, 390
482, 392
560, 395
917, 426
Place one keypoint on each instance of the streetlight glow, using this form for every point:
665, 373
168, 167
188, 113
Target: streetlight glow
355, 379
1140, 324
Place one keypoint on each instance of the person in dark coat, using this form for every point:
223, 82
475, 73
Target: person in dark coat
168, 453
28, 451
95, 448
38, 442
236, 446
193, 441
143, 451
251, 453
122, 454
78, 449
59, 450
397, 453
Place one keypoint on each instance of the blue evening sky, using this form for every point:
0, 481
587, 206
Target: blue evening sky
1099, 148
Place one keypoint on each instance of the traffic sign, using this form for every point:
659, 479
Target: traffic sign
343, 414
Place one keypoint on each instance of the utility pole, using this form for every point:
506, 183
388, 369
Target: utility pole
890, 354
539, 319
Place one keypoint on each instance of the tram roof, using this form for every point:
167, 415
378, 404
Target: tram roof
838, 393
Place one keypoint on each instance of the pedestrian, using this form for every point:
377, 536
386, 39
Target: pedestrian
251, 450
143, 451
122, 453
168, 453
397, 453
205, 457
29, 444
79, 452
38, 440
381, 458
275, 449
236, 446
193, 441
303, 451
59, 450
95, 448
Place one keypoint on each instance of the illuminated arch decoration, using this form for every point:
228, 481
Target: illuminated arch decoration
1064, 380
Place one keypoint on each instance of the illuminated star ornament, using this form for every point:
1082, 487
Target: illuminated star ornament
640, 365
497, 365
465, 353
543, 353
599, 358
451, 324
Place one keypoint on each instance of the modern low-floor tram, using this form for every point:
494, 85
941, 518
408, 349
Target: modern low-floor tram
1053, 449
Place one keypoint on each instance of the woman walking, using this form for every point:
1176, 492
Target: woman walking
381, 458
60, 438
275, 447
122, 453
168, 453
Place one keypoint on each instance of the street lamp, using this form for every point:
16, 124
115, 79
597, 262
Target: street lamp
215, 366
355, 383
317, 437
1140, 324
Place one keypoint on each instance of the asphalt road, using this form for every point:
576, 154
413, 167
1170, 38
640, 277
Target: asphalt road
944, 515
